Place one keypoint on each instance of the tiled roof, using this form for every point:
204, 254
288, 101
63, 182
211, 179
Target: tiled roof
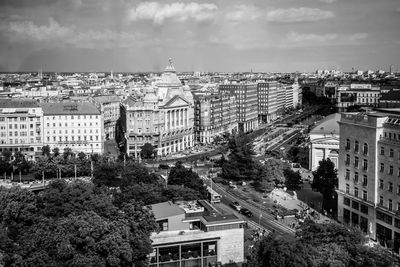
18, 103
69, 108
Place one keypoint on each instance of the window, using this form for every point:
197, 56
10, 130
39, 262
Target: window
356, 147
347, 160
365, 195
365, 149
382, 169
364, 209
347, 177
355, 191
381, 184
391, 153
365, 180
163, 225
390, 187
391, 170
347, 188
348, 144
390, 204
381, 200
365, 165
382, 150
356, 177
355, 162
346, 201
355, 205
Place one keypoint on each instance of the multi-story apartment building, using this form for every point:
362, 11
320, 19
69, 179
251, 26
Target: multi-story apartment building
280, 99
289, 103
267, 101
215, 114
78, 126
357, 94
163, 116
21, 127
109, 107
369, 171
247, 103
192, 233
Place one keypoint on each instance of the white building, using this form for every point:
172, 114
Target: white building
21, 127
324, 141
78, 126
163, 117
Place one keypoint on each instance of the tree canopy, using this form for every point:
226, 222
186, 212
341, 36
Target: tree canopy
320, 245
73, 224
292, 179
148, 151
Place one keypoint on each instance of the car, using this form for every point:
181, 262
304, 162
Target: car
246, 212
235, 205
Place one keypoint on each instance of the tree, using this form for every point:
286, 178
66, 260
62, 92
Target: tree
148, 151
67, 154
6, 154
325, 181
56, 152
179, 175
81, 155
292, 179
46, 150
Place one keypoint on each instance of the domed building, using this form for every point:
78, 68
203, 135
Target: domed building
163, 117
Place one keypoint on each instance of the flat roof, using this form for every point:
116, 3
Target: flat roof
221, 219
18, 103
69, 108
166, 209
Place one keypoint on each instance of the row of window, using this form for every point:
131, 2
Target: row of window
72, 117
389, 186
356, 162
79, 138
357, 146
21, 141
73, 131
356, 192
356, 205
19, 119
389, 203
31, 133
73, 125
391, 152
356, 177
390, 171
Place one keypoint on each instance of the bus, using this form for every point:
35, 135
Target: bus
213, 196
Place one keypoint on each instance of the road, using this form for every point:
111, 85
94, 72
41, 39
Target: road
261, 217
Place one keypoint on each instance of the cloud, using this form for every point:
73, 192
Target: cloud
294, 39
27, 30
327, 1
243, 13
159, 13
53, 34
302, 14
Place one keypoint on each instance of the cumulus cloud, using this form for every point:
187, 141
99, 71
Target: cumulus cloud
302, 14
159, 13
29, 30
54, 34
306, 39
243, 12
328, 1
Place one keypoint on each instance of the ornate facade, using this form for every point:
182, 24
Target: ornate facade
163, 117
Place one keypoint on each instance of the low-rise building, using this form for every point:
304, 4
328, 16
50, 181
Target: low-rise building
192, 233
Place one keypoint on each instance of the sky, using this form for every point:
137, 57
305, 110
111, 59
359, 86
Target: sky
199, 35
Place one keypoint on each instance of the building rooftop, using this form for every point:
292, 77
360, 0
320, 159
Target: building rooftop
393, 95
328, 125
18, 103
220, 219
69, 108
165, 210
106, 99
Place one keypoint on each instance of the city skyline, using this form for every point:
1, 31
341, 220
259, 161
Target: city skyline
263, 36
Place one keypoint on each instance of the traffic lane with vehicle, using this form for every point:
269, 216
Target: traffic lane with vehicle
266, 220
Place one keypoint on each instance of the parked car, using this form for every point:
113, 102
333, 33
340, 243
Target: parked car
235, 205
246, 212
